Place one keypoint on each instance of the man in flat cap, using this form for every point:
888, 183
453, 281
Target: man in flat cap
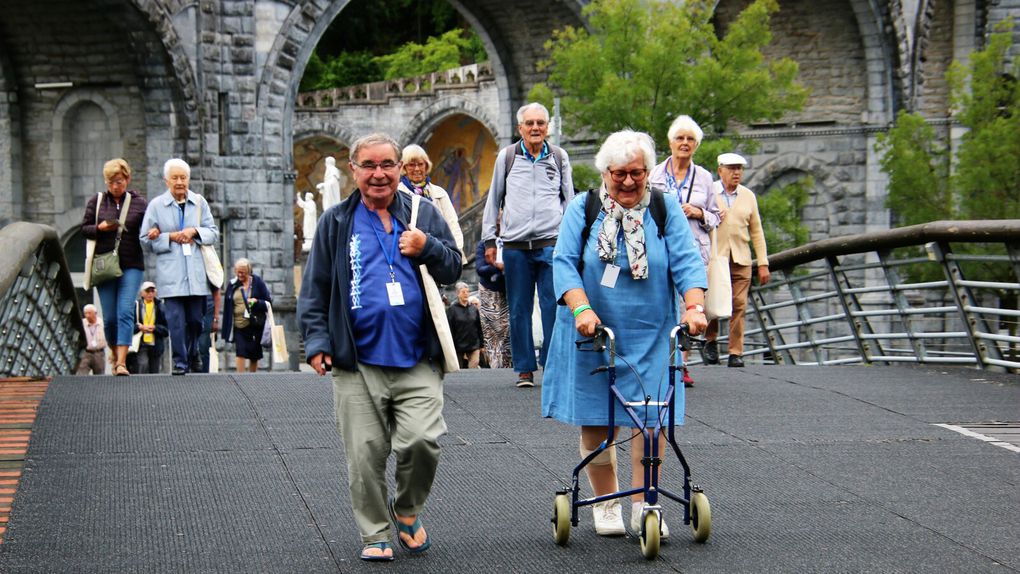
740, 225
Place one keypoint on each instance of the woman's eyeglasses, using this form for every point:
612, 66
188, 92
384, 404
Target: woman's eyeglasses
620, 175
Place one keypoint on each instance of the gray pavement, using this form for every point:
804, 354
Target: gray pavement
808, 469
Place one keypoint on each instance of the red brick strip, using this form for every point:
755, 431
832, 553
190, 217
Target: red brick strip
19, 402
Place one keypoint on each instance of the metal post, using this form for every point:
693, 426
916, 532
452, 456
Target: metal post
964, 298
860, 325
892, 279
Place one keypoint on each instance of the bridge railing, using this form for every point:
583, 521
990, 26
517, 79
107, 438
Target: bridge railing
945, 292
41, 332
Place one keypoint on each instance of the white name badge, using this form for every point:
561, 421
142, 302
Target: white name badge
610, 275
186, 249
499, 252
395, 293
247, 315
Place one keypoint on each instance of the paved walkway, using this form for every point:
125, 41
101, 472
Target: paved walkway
807, 470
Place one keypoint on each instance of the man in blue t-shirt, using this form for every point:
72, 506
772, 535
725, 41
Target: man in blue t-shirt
365, 319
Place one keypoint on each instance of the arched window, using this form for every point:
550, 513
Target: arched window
88, 138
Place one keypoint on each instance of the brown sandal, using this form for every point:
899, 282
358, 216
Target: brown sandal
122, 371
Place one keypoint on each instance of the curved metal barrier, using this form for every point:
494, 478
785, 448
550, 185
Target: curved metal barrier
41, 332
945, 292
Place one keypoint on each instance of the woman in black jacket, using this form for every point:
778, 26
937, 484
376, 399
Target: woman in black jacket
466, 326
244, 315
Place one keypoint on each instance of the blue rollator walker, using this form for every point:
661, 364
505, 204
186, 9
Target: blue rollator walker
697, 512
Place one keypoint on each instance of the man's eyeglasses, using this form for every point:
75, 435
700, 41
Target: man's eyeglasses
370, 166
620, 175
539, 123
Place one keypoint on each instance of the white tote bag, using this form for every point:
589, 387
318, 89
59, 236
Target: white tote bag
436, 307
278, 337
719, 299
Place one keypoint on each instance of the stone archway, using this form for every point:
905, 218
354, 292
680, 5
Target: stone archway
826, 198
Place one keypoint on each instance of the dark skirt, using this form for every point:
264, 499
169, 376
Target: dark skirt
248, 342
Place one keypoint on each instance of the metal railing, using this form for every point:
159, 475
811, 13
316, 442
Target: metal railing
945, 292
41, 332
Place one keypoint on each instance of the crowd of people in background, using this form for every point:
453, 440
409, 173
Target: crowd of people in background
531, 188
173, 228
628, 253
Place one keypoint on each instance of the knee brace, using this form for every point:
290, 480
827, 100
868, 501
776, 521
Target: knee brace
606, 457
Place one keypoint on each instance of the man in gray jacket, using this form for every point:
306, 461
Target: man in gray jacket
531, 186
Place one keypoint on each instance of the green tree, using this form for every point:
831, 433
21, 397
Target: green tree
345, 69
641, 63
987, 95
926, 183
780, 211
918, 168
452, 49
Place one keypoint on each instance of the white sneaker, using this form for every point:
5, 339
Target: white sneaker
635, 521
608, 518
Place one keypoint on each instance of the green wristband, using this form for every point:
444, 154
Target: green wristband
581, 309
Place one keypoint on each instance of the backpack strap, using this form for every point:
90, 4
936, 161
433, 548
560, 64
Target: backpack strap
513, 150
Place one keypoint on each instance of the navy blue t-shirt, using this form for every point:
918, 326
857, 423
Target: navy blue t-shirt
386, 335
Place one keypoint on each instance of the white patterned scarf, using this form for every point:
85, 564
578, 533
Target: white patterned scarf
633, 232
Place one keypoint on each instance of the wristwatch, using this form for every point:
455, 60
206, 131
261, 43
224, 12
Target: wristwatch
698, 308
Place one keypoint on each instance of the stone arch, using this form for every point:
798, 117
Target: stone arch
881, 56
325, 126
821, 206
869, 43
66, 114
173, 113
442, 109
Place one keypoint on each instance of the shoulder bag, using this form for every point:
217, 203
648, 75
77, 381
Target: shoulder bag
277, 338
436, 307
719, 299
211, 259
106, 266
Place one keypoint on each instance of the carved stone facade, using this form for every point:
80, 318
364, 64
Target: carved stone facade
215, 82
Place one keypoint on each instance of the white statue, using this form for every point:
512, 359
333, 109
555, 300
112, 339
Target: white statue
331, 183
309, 222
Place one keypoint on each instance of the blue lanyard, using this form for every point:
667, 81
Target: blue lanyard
244, 294
671, 180
392, 255
182, 206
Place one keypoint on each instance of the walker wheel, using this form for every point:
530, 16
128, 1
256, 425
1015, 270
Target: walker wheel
650, 535
701, 517
561, 519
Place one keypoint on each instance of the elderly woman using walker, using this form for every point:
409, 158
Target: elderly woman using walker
691, 187
630, 278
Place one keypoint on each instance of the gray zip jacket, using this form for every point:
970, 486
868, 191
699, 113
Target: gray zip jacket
533, 198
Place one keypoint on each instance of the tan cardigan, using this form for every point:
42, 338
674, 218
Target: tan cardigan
741, 225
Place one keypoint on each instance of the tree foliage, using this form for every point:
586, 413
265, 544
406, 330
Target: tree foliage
370, 41
780, 211
641, 63
452, 49
918, 168
926, 182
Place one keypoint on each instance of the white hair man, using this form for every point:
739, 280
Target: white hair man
531, 186
741, 224
93, 360
365, 320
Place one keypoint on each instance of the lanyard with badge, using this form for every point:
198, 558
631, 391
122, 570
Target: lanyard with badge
671, 181
185, 247
612, 271
244, 296
393, 290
